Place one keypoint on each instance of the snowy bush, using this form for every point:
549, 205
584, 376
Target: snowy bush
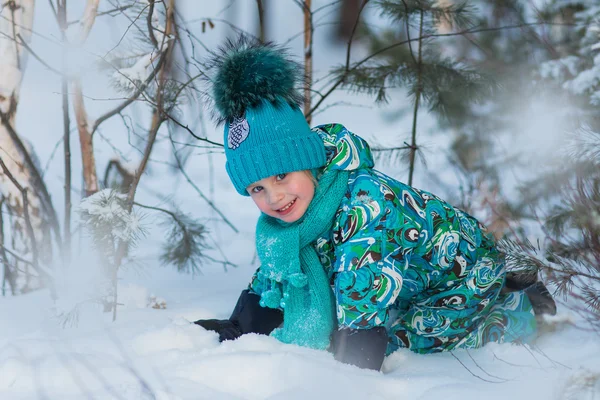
113, 231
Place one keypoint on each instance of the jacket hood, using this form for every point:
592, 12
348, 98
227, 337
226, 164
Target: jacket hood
344, 150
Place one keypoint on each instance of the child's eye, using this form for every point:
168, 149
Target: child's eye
256, 189
280, 177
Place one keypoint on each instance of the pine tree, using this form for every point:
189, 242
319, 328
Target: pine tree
568, 198
410, 57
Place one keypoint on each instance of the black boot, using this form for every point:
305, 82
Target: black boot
364, 348
518, 280
248, 317
541, 299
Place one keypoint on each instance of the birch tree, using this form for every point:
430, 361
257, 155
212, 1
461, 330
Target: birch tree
21, 186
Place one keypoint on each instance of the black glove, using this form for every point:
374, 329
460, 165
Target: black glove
226, 329
364, 348
248, 317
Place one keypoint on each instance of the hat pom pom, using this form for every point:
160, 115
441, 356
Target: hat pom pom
247, 72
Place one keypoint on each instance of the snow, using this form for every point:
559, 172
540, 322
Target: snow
560, 69
130, 78
159, 353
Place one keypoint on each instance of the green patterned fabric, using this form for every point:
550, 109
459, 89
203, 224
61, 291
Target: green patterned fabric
299, 284
402, 258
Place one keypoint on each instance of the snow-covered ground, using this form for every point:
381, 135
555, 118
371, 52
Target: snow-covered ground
157, 353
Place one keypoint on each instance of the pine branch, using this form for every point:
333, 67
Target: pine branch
186, 241
185, 245
459, 15
447, 85
340, 77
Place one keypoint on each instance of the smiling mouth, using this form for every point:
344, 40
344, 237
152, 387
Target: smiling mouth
287, 207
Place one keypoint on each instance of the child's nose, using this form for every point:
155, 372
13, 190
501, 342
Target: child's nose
275, 196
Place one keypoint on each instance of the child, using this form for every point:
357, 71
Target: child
351, 260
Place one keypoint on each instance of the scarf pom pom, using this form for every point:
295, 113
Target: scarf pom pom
298, 280
270, 298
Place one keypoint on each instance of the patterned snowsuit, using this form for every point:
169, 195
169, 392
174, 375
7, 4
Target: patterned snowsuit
402, 258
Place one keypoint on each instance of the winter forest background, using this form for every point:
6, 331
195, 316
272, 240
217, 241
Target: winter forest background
119, 224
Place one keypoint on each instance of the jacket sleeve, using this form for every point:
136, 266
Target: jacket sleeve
258, 284
365, 282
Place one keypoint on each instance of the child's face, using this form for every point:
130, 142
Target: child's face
284, 196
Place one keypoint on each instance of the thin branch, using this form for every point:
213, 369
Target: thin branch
126, 30
140, 89
163, 210
149, 23
386, 149
182, 225
34, 54
8, 274
15, 255
12, 7
235, 28
261, 21
412, 54
186, 127
471, 372
346, 68
348, 50
53, 9
308, 56
189, 82
112, 12
210, 203
413, 143
487, 373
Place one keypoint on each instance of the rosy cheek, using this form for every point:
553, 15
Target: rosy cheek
262, 205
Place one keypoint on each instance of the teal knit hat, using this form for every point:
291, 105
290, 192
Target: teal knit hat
255, 96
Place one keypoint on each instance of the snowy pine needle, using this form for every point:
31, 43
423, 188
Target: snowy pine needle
584, 145
105, 216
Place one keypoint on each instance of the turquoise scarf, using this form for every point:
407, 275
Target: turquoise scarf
299, 283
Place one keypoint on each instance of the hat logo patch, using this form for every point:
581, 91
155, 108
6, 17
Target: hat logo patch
238, 132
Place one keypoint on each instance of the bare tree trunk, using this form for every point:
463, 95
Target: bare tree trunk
16, 23
87, 20
349, 11
308, 59
62, 22
85, 137
86, 142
